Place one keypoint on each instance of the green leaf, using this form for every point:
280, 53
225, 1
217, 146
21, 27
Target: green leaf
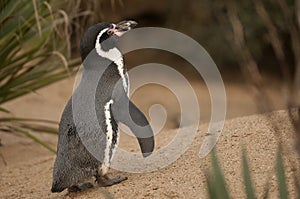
34, 138
18, 119
218, 184
210, 182
39, 128
247, 178
4, 110
221, 184
281, 179
267, 188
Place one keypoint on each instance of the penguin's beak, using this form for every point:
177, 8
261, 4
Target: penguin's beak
122, 27
126, 25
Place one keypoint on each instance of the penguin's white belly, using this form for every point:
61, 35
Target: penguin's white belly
109, 138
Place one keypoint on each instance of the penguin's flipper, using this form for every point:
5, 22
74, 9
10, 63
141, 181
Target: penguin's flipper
126, 112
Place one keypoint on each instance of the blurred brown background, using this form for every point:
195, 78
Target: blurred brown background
211, 24
249, 68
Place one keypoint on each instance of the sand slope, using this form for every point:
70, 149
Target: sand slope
26, 167
28, 172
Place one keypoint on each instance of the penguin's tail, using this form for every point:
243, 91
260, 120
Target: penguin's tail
55, 188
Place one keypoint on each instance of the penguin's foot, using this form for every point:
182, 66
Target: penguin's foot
83, 186
105, 181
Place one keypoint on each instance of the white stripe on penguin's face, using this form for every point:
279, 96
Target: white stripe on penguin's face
114, 55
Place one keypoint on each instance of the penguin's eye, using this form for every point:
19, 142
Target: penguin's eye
110, 32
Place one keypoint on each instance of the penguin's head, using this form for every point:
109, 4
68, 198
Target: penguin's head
103, 36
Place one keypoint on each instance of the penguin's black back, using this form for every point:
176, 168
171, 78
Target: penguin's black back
74, 162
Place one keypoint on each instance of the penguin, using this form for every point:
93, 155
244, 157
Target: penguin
75, 163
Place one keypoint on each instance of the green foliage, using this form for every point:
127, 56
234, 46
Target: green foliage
247, 177
281, 179
34, 53
34, 138
216, 184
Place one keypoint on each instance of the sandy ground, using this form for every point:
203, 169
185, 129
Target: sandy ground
26, 167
